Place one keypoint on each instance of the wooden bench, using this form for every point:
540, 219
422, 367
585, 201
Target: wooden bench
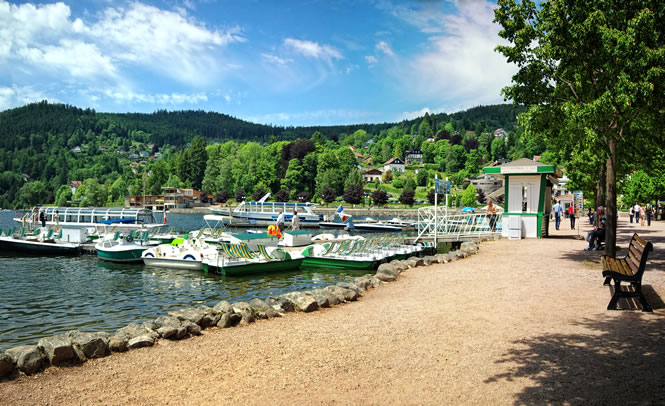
628, 269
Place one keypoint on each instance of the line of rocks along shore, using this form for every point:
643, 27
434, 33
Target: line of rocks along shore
76, 347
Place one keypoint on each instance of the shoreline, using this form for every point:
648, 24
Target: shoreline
498, 327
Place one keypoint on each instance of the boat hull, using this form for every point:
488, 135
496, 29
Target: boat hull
39, 248
255, 267
376, 227
174, 263
128, 255
340, 263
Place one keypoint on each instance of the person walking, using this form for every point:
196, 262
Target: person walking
280, 221
643, 211
558, 211
637, 209
571, 214
632, 214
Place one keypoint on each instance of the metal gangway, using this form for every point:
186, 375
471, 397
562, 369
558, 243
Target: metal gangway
438, 224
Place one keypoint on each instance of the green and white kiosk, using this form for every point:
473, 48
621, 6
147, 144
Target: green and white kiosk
528, 197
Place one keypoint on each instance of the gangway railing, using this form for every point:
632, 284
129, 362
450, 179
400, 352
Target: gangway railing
438, 222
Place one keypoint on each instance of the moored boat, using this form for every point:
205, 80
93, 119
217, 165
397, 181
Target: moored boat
263, 213
180, 254
119, 249
41, 242
237, 259
90, 217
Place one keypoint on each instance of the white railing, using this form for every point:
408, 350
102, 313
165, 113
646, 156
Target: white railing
456, 226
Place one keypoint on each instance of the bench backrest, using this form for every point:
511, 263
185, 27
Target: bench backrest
638, 252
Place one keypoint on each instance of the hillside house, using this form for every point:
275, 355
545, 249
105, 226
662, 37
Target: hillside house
414, 156
73, 185
372, 175
394, 165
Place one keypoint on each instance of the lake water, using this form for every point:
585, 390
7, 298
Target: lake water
43, 296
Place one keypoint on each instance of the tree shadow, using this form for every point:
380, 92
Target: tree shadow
616, 361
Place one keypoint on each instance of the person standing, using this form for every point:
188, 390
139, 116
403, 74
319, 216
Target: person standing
632, 214
571, 214
643, 212
558, 211
649, 213
42, 218
491, 215
637, 209
280, 221
295, 222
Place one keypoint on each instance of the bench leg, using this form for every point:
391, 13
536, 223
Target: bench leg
641, 298
615, 297
607, 280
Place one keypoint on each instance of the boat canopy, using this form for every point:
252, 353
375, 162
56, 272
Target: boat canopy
105, 215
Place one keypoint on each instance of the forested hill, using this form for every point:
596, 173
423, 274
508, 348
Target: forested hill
74, 126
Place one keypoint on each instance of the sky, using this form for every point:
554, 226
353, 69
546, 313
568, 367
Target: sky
279, 62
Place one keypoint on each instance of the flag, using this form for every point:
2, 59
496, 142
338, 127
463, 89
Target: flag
164, 216
341, 214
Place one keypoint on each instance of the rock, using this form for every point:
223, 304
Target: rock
281, 304
303, 302
58, 349
223, 307
470, 247
410, 263
170, 327
259, 305
347, 294
352, 286
321, 299
134, 330
117, 344
363, 283
385, 276
401, 266
429, 260
417, 260
210, 316
229, 320
193, 314
442, 258
7, 366
93, 345
27, 358
390, 269
141, 341
192, 328
247, 316
374, 281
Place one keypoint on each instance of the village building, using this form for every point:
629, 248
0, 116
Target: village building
414, 156
73, 185
372, 175
394, 165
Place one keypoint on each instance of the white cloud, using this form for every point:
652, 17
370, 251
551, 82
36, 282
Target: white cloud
425, 15
410, 115
313, 49
19, 95
371, 59
385, 48
461, 64
128, 96
274, 59
316, 117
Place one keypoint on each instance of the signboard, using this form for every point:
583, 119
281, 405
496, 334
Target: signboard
578, 201
519, 169
441, 187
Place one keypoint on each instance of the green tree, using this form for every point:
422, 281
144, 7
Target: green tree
328, 195
118, 190
32, 193
422, 177
591, 74
469, 196
63, 196
456, 158
354, 194
407, 197
498, 149
294, 178
380, 197
354, 178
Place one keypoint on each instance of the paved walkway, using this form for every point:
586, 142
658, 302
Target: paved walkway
522, 322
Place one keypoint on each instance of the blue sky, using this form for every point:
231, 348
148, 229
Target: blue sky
275, 62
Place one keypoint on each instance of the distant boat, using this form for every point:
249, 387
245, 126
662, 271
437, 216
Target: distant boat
41, 242
262, 213
400, 223
374, 226
91, 217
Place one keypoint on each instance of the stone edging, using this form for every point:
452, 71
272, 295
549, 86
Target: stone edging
76, 347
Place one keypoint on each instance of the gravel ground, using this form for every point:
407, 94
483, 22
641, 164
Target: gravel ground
521, 322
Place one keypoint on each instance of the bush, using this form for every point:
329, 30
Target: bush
328, 195
380, 197
222, 196
353, 194
398, 184
303, 196
282, 195
258, 194
430, 197
407, 197
240, 195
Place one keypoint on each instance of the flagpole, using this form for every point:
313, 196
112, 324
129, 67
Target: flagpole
436, 210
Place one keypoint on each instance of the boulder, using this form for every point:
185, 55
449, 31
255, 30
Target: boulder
223, 307
417, 260
374, 281
58, 349
349, 285
363, 283
410, 263
259, 305
193, 314
117, 344
170, 327
321, 299
429, 260
281, 304
7, 366
470, 247
27, 358
93, 345
332, 298
229, 320
390, 269
384, 276
141, 341
210, 316
192, 328
347, 295
402, 266
246, 316
303, 302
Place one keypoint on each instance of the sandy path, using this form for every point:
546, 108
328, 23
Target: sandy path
520, 322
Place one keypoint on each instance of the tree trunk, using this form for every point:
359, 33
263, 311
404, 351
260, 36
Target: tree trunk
601, 187
611, 205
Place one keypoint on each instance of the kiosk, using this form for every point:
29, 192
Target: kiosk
528, 197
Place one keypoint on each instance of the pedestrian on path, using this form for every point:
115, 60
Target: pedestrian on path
632, 214
558, 211
637, 209
571, 214
649, 213
643, 216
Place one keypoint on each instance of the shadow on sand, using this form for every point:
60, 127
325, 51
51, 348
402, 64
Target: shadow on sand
618, 361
